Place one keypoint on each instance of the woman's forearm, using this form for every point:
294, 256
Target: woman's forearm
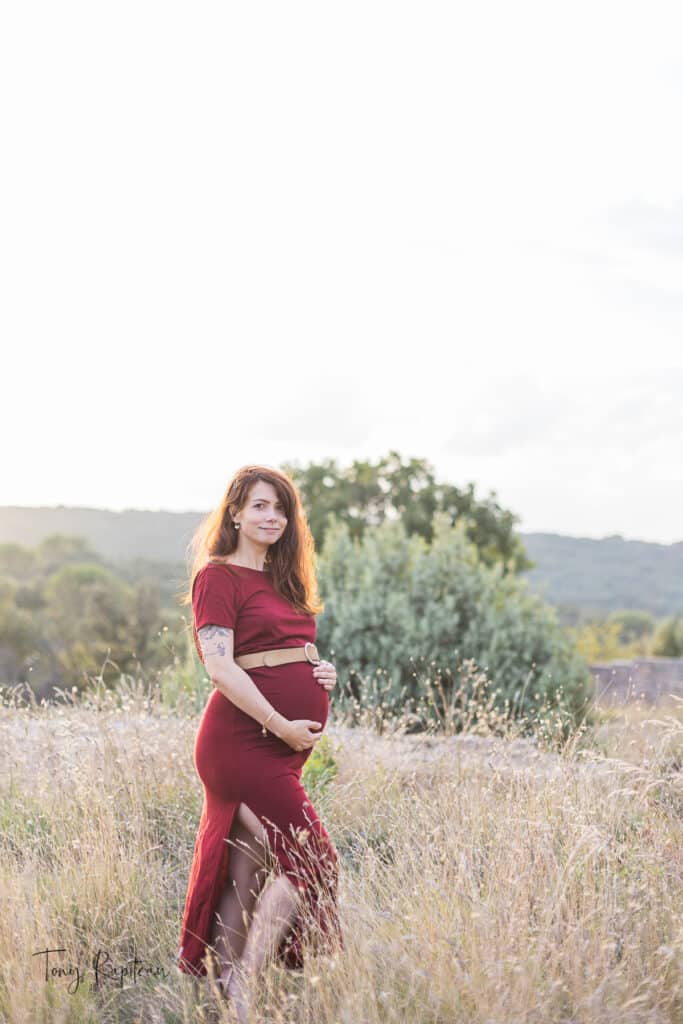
238, 686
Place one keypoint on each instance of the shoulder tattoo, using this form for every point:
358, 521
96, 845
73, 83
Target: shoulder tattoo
212, 639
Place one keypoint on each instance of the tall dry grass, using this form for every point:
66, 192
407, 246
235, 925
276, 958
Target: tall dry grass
485, 877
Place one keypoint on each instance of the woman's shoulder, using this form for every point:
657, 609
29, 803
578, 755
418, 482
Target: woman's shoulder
216, 574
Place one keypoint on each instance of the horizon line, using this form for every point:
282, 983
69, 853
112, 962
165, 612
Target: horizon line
201, 512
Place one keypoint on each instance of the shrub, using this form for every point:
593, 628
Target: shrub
414, 613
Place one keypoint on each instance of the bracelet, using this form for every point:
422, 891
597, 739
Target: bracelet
263, 727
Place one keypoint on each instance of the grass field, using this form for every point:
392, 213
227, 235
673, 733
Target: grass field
485, 878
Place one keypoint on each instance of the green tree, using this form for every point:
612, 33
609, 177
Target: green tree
668, 639
597, 641
18, 643
145, 617
364, 495
89, 611
16, 561
63, 549
623, 634
633, 625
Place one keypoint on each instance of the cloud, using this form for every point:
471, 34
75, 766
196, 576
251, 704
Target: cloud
514, 412
622, 414
650, 226
329, 408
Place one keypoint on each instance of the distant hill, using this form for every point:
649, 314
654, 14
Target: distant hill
156, 536
571, 572
606, 574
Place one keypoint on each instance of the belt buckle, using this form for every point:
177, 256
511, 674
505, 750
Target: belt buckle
308, 644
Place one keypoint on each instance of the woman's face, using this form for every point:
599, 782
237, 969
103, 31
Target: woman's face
262, 519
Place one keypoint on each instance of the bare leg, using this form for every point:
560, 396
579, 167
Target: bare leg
273, 916
247, 874
236, 906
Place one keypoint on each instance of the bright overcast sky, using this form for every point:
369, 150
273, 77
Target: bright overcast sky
277, 232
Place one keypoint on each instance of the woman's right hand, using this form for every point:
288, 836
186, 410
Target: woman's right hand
301, 733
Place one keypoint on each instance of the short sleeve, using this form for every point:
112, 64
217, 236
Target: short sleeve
215, 598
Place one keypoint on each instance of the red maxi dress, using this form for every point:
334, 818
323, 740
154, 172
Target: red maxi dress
238, 764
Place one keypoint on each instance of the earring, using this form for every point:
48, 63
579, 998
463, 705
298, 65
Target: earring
236, 525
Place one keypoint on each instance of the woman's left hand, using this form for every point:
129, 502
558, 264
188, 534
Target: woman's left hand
326, 674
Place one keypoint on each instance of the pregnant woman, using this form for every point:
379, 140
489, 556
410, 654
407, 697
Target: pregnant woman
254, 599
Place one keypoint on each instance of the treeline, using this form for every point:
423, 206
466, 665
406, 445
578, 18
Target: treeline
628, 634
362, 494
69, 611
584, 579
419, 579
403, 617
66, 615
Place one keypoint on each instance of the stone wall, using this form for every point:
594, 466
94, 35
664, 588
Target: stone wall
647, 679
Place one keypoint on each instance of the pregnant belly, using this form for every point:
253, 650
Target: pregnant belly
293, 691
230, 746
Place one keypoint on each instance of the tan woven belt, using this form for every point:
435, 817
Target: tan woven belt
281, 656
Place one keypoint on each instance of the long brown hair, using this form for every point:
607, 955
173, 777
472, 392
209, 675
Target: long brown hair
290, 558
